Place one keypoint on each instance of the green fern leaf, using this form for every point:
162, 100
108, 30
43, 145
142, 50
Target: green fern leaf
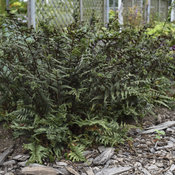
76, 153
37, 151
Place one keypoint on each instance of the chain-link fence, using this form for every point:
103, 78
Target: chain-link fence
60, 13
55, 12
143, 11
96, 8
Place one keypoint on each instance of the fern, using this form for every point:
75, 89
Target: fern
72, 89
76, 153
103, 132
113, 136
38, 152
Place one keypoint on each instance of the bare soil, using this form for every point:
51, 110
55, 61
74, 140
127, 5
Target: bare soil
7, 140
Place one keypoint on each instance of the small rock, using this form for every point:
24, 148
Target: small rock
63, 171
170, 145
5, 154
169, 130
169, 173
138, 131
160, 165
39, 170
136, 144
172, 168
85, 153
17, 157
61, 164
140, 152
159, 127
9, 163
152, 167
72, 171
10, 173
21, 157
145, 171
104, 156
137, 165
9, 169
96, 170
113, 171
88, 162
152, 150
114, 157
148, 142
172, 139
35, 165
134, 131
101, 149
126, 154
89, 170
23, 164
111, 163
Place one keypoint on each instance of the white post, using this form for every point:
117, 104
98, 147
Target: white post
148, 10
141, 7
31, 13
81, 10
133, 3
159, 8
141, 10
7, 5
172, 10
120, 11
113, 5
106, 12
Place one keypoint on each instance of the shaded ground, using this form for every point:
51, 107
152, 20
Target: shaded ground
161, 115
7, 140
144, 155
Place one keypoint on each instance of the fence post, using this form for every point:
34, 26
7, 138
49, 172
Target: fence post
113, 5
106, 12
148, 10
81, 10
31, 13
172, 11
7, 5
120, 11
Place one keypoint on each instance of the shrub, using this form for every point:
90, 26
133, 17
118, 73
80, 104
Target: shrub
165, 29
70, 90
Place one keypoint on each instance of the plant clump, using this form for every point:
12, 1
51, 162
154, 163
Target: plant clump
72, 89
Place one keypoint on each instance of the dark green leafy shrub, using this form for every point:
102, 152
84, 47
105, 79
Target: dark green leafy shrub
70, 90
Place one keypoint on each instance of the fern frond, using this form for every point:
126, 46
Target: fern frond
76, 153
38, 152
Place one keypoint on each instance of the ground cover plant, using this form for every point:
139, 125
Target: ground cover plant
68, 90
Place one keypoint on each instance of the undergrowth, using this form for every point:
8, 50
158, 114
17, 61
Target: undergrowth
68, 90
